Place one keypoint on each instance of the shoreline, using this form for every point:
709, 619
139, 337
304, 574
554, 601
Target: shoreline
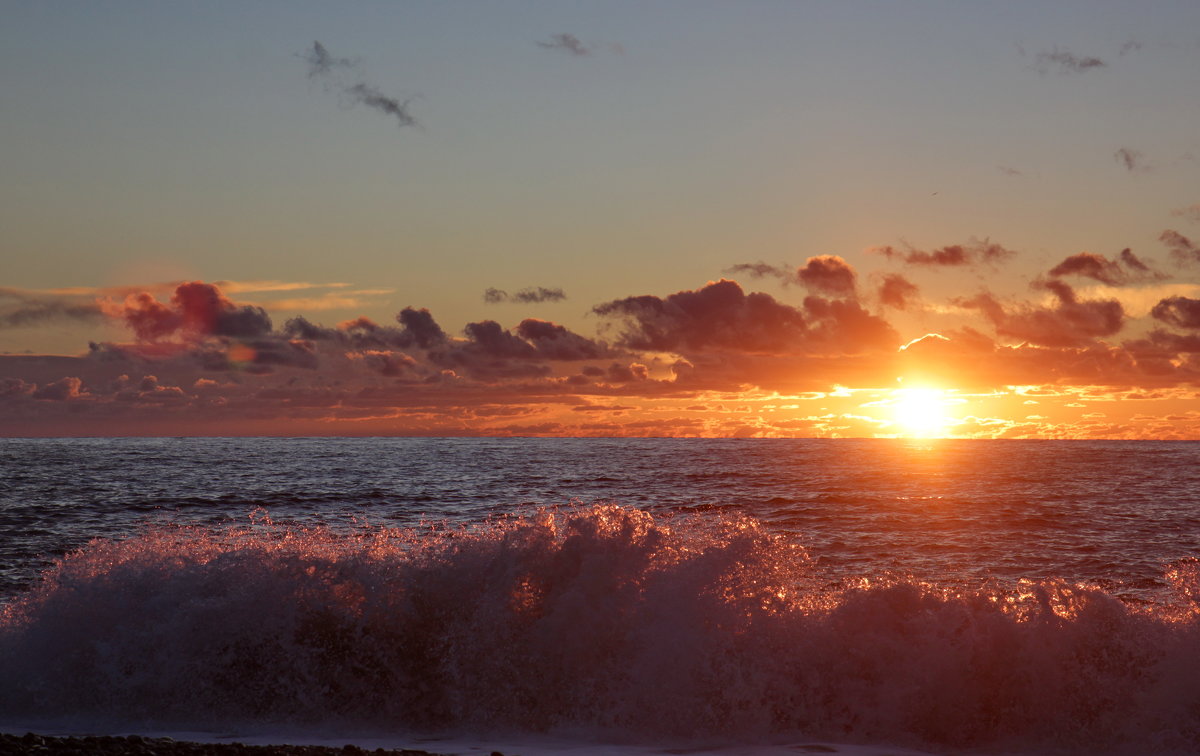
114, 745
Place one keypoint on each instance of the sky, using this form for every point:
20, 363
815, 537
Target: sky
679, 218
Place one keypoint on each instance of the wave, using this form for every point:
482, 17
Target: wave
597, 618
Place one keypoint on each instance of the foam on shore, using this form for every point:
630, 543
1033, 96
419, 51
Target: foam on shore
603, 623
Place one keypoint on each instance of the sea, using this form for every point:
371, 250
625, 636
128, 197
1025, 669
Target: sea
872, 596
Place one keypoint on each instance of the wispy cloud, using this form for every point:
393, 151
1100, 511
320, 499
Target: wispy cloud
34, 312
1125, 269
242, 287
1065, 62
333, 300
761, 269
322, 65
529, 295
1191, 212
1132, 159
951, 255
567, 43
365, 94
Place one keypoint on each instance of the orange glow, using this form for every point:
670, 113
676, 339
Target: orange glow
240, 353
920, 412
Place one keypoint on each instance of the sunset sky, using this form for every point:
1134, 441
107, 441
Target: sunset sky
673, 218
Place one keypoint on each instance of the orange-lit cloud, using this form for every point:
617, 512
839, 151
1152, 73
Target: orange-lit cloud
714, 360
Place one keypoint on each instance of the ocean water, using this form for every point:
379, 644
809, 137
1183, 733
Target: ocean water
950, 596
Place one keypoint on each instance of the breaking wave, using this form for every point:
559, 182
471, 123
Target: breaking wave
601, 619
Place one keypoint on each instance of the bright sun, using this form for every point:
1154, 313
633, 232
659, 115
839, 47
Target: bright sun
920, 412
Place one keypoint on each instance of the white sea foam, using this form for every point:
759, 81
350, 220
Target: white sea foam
601, 624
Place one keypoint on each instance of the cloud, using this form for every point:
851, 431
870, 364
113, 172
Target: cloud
1064, 62
370, 96
828, 274
1125, 268
530, 295
1069, 323
242, 287
567, 43
555, 342
62, 390
897, 291
418, 329
721, 318
841, 326
1133, 160
1191, 212
1182, 248
949, 256
1181, 312
419, 323
197, 309
719, 315
321, 63
763, 270
35, 312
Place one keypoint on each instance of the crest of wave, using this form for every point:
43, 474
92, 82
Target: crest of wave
598, 619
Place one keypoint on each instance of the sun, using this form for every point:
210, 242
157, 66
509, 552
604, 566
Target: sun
920, 412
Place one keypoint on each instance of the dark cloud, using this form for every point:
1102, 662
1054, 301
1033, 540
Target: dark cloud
1133, 160
719, 315
421, 326
278, 352
764, 270
1165, 344
539, 294
61, 390
1090, 265
1131, 261
721, 318
370, 96
1125, 269
33, 312
632, 373
567, 43
828, 274
492, 353
555, 342
529, 295
1070, 322
196, 309
495, 341
1182, 248
390, 364
1181, 312
1065, 62
897, 291
10, 387
321, 63
951, 255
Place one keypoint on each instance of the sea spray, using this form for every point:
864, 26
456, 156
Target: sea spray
602, 618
